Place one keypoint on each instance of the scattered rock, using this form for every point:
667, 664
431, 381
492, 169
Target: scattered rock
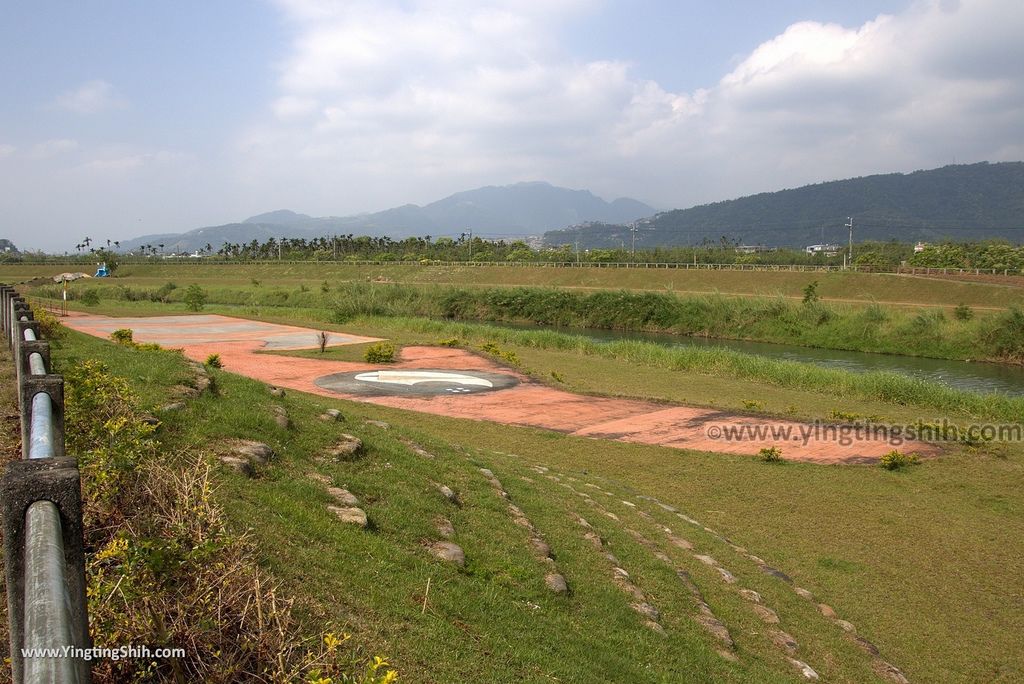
827, 611
349, 514
663, 557
173, 406
378, 423
806, 670
540, 547
612, 515
668, 508
444, 527
654, 626
620, 572
448, 551
239, 465
594, 539
776, 573
486, 473
681, 543
343, 496
766, 614
185, 392
447, 493
556, 583
317, 477
784, 641
846, 626
727, 576
715, 627
630, 504
330, 415
889, 672
255, 451
647, 610
281, 417
348, 448
202, 381
866, 645
750, 595
150, 420
276, 391
612, 558
706, 560
803, 593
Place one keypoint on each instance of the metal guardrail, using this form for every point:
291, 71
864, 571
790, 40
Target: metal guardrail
42, 518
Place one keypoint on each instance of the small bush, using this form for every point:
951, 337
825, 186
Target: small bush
894, 460
195, 298
962, 312
753, 405
382, 352
770, 454
322, 338
557, 377
49, 325
811, 293
213, 361
90, 297
449, 342
325, 287
123, 336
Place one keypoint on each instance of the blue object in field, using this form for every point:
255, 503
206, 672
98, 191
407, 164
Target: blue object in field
102, 271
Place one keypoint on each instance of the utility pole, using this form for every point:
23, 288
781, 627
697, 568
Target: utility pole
334, 245
849, 224
632, 231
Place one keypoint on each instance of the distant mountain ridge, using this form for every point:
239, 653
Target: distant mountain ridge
959, 202
512, 211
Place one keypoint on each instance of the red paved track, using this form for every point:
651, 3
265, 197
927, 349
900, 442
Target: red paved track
529, 403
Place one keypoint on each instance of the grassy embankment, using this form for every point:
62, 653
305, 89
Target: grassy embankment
921, 561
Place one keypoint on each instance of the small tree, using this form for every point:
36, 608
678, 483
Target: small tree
195, 298
322, 338
811, 293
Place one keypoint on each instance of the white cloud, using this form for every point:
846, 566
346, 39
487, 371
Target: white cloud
52, 148
446, 95
7, 150
91, 97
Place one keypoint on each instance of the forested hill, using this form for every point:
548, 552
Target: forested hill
960, 202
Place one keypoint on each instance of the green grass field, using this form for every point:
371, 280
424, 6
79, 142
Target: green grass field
923, 561
852, 287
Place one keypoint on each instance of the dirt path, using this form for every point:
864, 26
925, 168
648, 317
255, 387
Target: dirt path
528, 403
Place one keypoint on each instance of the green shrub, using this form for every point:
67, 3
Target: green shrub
195, 298
123, 336
962, 312
811, 293
449, 342
770, 454
894, 460
90, 296
753, 405
213, 361
558, 377
382, 352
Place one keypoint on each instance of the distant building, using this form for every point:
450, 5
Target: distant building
827, 250
753, 249
920, 247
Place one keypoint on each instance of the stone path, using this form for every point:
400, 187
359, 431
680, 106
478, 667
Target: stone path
527, 403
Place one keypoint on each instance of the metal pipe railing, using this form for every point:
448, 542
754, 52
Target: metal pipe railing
45, 564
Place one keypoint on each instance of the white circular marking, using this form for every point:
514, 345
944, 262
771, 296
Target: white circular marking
413, 377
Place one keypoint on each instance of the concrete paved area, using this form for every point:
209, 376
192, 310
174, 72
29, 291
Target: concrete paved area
519, 401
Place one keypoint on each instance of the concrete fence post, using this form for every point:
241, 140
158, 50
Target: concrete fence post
42, 421
23, 484
5, 306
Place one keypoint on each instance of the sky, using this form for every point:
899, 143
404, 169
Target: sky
122, 118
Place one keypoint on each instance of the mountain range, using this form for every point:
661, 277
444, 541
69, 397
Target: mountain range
958, 202
511, 211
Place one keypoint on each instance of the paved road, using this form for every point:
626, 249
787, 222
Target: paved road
522, 402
